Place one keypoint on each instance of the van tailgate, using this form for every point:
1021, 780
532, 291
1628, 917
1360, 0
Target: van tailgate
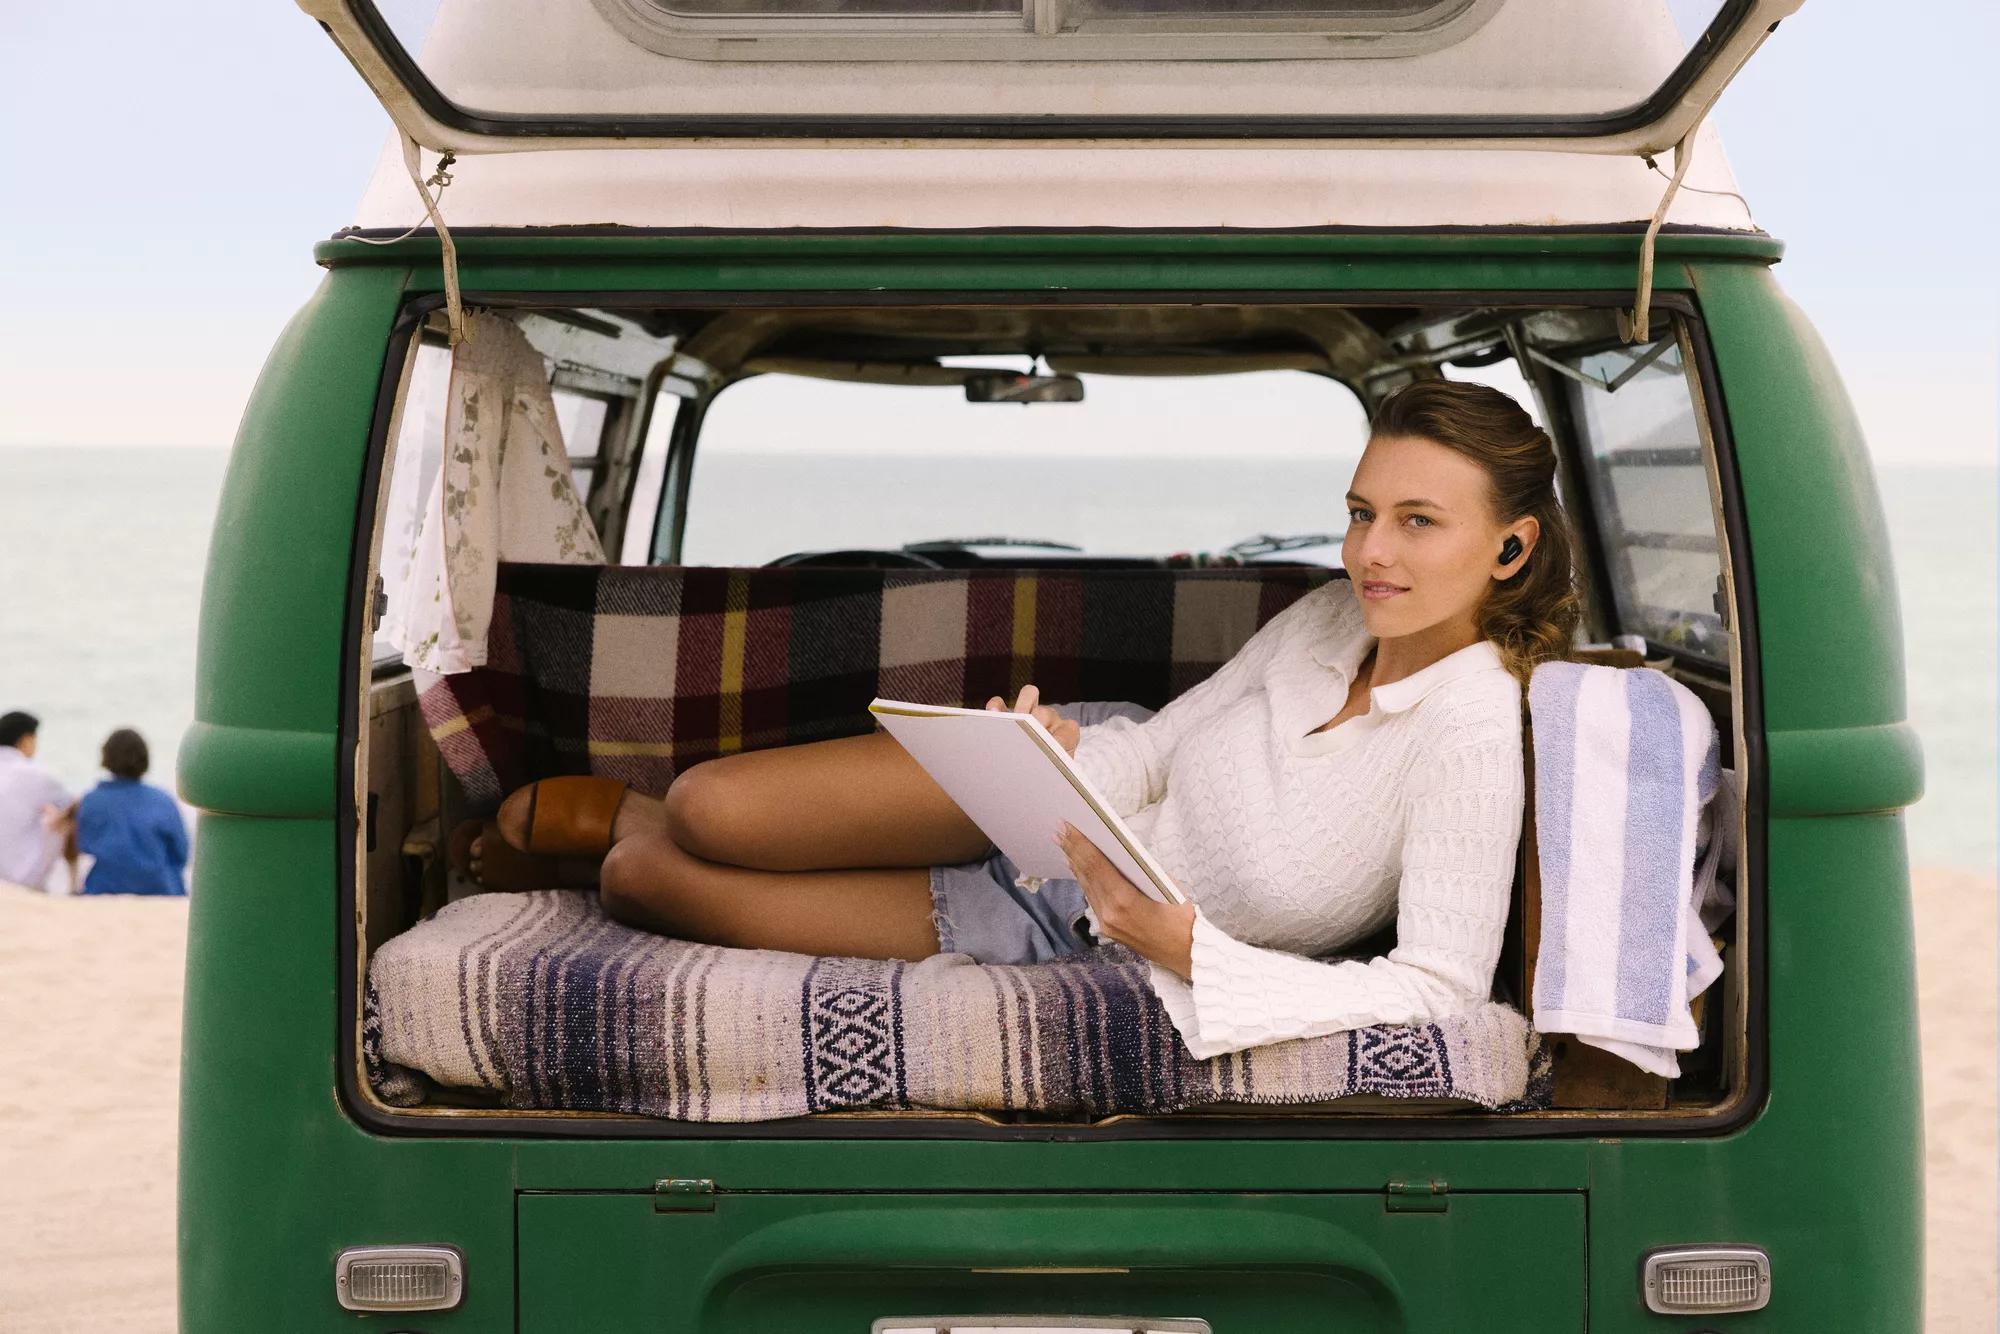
1355, 1262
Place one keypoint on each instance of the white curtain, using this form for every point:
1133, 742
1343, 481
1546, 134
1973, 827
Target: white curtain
502, 491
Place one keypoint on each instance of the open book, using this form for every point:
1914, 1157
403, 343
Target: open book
1019, 785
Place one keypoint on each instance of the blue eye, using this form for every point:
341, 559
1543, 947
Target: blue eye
1355, 514
1424, 519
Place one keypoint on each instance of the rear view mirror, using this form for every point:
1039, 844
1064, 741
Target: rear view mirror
1009, 387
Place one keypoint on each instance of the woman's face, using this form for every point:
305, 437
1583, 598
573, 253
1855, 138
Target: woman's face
1422, 543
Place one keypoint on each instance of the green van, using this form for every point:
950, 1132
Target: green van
768, 251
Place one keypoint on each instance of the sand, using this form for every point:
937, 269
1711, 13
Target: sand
91, 988
92, 1047
1956, 1004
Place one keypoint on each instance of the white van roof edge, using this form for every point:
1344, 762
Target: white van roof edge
1087, 188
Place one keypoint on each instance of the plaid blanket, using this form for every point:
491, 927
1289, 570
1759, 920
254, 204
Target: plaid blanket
638, 672
542, 1000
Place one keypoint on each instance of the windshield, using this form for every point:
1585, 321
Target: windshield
1143, 466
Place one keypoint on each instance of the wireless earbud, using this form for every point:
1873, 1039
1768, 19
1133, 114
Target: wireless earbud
1510, 549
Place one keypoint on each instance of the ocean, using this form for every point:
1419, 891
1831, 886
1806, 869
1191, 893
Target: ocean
103, 551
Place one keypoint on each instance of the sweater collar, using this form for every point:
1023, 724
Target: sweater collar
1400, 695
1344, 641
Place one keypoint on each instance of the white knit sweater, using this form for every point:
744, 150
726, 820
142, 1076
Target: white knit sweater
1293, 843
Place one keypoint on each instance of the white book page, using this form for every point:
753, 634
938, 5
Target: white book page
1017, 783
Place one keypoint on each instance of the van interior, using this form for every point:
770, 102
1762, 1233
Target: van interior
1150, 443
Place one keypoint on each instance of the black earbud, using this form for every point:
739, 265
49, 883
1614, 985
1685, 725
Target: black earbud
1510, 549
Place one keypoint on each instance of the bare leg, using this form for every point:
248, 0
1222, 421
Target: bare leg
821, 848
650, 881
825, 805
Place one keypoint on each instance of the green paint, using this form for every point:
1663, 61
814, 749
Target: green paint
277, 1176
777, 1264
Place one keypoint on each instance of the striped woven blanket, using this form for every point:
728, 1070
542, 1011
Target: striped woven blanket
542, 1001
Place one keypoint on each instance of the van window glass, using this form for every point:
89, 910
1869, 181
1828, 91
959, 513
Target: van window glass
1649, 489
648, 483
1376, 11
581, 418
1143, 466
838, 8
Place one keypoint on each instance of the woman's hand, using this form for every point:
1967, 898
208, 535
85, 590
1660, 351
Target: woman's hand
1062, 729
1161, 932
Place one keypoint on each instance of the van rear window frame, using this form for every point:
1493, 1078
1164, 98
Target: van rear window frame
434, 103
1746, 1099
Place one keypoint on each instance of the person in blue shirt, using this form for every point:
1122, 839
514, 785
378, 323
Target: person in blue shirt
134, 830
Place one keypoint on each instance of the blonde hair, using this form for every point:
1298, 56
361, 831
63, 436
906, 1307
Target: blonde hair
1532, 616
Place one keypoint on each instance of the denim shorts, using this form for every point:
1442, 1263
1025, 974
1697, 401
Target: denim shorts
979, 910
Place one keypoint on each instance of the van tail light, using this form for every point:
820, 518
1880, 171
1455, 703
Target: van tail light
399, 1278
1706, 1280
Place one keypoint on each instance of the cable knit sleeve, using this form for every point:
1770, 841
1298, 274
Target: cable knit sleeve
1127, 761
1465, 815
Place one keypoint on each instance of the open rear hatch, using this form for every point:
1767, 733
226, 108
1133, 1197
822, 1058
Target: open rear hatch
687, 1258
1579, 75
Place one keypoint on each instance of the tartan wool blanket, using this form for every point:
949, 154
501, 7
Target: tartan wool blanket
541, 1000
637, 672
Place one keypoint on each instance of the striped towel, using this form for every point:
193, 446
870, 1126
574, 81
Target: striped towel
1626, 766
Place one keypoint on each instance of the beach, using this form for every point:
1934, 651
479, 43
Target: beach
87, 1128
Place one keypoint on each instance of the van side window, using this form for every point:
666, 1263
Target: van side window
581, 417
1649, 487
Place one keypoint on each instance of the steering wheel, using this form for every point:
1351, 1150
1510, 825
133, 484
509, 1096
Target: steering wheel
860, 557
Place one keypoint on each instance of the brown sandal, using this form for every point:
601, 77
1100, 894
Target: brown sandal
570, 816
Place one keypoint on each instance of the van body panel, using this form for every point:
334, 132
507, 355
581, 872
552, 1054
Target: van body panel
279, 1169
265, 771
613, 1263
1829, 1178
1057, 1159
631, 245
270, 670
1833, 642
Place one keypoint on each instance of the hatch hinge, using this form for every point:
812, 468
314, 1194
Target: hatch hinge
1416, 1197
684, 1195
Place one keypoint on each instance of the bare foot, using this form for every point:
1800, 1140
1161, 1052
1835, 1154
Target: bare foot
478, 850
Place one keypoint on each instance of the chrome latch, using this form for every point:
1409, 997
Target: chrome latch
1416, 1197
684, 1195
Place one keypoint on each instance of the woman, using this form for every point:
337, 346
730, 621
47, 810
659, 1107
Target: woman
132, 828
1358, 759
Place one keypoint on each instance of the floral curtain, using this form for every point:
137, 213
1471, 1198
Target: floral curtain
502, 491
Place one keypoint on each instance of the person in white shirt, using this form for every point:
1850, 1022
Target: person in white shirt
1358, 761
32, 800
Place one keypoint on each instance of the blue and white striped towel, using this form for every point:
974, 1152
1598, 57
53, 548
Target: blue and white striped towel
1626, 764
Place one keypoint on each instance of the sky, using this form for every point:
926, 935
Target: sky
169, 167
